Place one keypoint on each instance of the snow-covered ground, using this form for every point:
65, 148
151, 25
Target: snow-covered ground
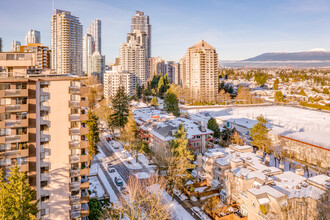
178, 212
291, 118
95, 187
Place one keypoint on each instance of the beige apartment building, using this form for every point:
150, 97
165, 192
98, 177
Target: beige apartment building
43, 131
133, 60
199, 71
66, 43
42, 54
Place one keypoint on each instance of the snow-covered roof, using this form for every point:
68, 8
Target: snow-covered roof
266, 190
214, 153
240, 147
318, 138
244, 122
320, 180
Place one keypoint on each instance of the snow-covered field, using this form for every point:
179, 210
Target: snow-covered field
290, 118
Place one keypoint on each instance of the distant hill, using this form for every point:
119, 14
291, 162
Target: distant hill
312, 55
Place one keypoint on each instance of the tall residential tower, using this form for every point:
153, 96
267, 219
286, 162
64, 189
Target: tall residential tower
32, 37
66, 43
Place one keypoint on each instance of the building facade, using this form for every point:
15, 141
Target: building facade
66, 43
32, 37
200, 71
42, 54
133, 60
1, 45
15, 46
95, 31
96, 66
140, 22
43, 133
88, 50
115, 78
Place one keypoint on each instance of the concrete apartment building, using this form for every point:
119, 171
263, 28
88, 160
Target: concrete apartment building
140, 24
262, 191
133, 60
43, 131
1, 45
200, 71
18, 63
15, 46
96, 65
66, 43
32, 37
42, 54
95, 31
88, 49
115, 78
157, 66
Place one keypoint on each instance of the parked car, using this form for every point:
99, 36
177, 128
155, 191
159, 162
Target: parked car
123, 190
118, 181
112, 170
109, 164
108, 139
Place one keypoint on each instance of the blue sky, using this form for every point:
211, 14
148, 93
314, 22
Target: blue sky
238, 29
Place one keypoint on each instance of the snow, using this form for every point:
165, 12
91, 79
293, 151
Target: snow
320, 179
263, 201
318, 138
290, 118
142, 175
193, 198
108, 188
200, 189
95, 187
200, 213
266, 189
179, 213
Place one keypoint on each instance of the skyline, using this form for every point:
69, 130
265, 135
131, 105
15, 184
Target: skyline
238, 30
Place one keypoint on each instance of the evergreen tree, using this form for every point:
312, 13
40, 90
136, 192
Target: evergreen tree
93, 134
129, 136
17, 199
259, 134
236, 139
179, 162
154, 101
213, 125
120, 107
171, 103
95, 208
161, 87
302, 92
276, 82
278, 96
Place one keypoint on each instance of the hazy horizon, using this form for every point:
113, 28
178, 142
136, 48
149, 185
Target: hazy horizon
238, 30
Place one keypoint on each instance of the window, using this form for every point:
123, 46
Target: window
4, 116
21, 115
20, 101
44, 212
21, 86
10, 56
20, 56
74, 111
44, 183
44, 169
5, 101
22, 160
44, 198
253, 204
4, 86
21, 131
5, 162
4, 147
4, 131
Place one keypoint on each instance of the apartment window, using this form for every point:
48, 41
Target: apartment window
44, 98
21, 115
4, 131
4, 147
75, 97
44, 169
44, 212
4, 86
253, 204
20, 56
22, 160
44, 183
5, 162
21, 86
20, 101
21, 131
4, 116
10, 56
74, 111
5, 101
44, 198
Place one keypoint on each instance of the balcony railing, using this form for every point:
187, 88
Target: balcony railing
74, 186
13, 92
74, 199
13, 138
74, 173
74, 104
75, 214
75, 159
13, 108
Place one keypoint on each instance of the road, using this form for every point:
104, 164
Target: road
124, 172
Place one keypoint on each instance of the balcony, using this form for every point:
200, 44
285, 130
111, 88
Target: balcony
74, 199
74, 144
84, 172
44, 120
84, 184
74, 131
44, 133
74, 90
83, 130
45, 162
74, 173
44, 106
16, 138
24, 167
84, 103
83, 144
74, 117
74, 214
74, 104
84, 196
16, 93
83, 117
75, 159
84, 158
74, 186
44, 91
16, 123
44, 177
17, 108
